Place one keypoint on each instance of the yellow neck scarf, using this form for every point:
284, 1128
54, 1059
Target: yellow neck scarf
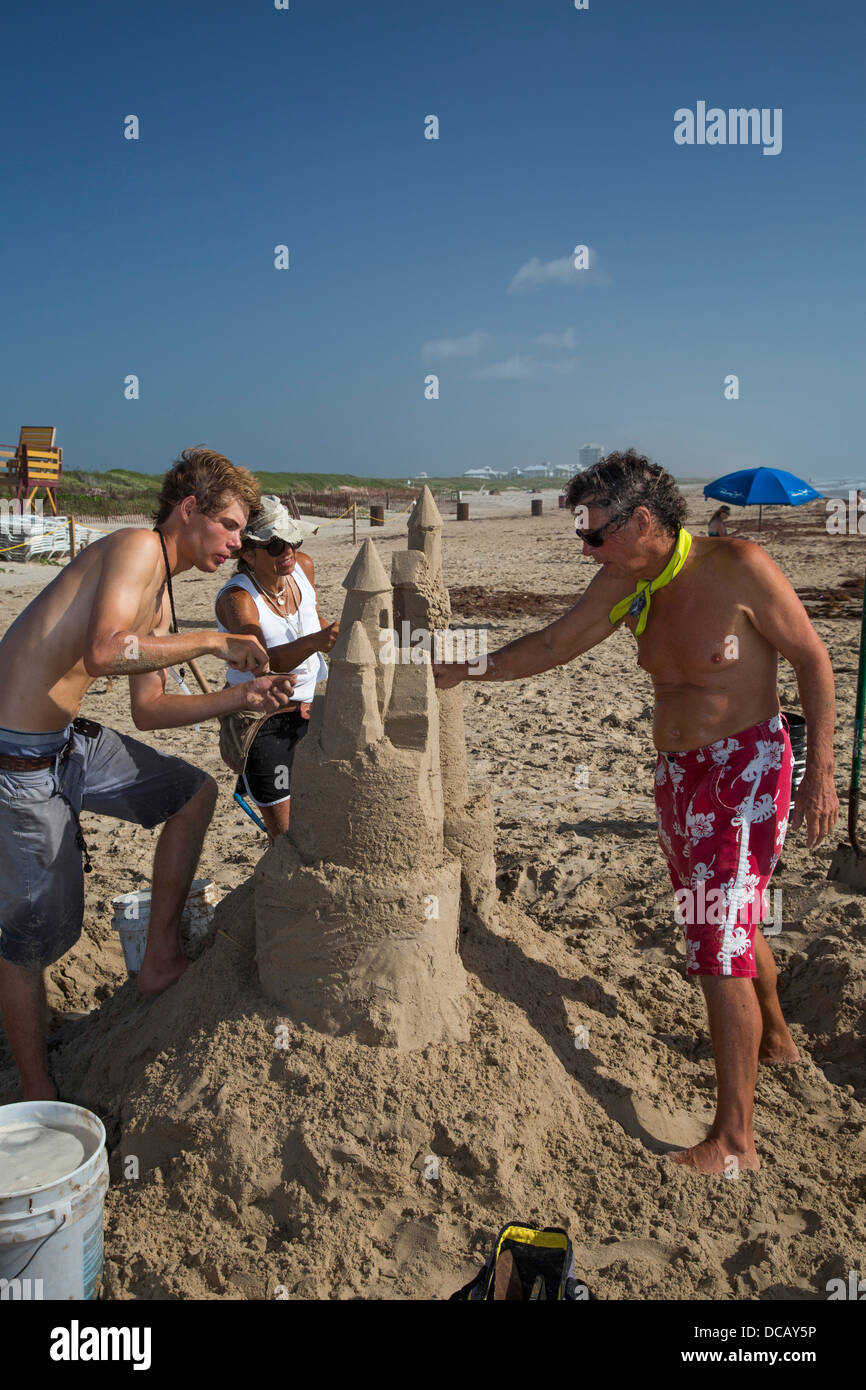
639, 602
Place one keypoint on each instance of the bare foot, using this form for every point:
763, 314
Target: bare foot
778, 1049
714, 1156
153, 978
42, 1089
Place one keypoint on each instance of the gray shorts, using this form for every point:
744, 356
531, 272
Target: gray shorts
42, 907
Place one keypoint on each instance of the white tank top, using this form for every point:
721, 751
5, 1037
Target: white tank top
278, 630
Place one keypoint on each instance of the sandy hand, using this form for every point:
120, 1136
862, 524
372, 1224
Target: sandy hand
244, 653
158, 975
448, 673
328, 636
267, 694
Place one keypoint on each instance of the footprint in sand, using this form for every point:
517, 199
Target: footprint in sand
655, 1126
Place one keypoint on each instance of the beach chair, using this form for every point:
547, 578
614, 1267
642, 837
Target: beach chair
46, 538
39, 468
26, 537
36, 463
86, 535
57, 537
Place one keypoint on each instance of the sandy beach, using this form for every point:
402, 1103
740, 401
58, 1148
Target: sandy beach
300, 1172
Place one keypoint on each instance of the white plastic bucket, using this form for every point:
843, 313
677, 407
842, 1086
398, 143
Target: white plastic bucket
132, 917
51, 1233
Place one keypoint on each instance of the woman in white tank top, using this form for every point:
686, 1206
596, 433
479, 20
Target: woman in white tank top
273, 597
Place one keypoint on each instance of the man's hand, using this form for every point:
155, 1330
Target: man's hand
243, 653
817, 802
268, 694
327, 637
449, 673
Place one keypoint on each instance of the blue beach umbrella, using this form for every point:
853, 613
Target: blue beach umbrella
759, 487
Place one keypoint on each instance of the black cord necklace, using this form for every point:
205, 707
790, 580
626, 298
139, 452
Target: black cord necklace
173, 629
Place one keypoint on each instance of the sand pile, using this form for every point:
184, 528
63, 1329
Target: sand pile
272, 1157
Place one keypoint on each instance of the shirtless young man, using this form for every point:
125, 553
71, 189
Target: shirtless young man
710, 640
107, 613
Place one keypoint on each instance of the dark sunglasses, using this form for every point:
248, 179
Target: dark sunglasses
276, 546
596, 538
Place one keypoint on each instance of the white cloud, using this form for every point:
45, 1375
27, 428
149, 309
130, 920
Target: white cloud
518, 368
445, 349
536, 272
515, 368
557, 340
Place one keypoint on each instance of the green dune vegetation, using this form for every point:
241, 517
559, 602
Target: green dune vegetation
119, 491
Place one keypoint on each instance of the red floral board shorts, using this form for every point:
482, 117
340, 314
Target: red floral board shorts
722, 817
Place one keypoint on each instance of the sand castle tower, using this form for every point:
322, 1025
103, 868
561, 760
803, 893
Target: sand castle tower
421, 600
358, 907
369, 601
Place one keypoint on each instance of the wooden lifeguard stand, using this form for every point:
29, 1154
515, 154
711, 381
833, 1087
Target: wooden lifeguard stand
36, 463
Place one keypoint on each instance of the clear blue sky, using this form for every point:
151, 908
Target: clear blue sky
306, 127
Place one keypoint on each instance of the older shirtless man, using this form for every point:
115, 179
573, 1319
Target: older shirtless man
107, 613
710, 617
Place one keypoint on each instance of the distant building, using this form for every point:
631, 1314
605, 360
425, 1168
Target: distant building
535, 469
482, 473
590, 454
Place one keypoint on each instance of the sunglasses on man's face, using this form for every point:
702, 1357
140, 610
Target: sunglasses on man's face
596, 538
276, 547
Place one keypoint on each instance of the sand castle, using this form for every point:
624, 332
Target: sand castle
358, 908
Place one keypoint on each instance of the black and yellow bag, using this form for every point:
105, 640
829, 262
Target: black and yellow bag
527, 1264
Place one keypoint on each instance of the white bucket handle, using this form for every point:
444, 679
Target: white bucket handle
63, 1211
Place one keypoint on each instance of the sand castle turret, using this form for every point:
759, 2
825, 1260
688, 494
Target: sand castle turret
421, 602
351, 718
425, 539
369, 601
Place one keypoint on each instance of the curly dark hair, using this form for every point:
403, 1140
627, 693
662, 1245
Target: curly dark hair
626, 481
210, 478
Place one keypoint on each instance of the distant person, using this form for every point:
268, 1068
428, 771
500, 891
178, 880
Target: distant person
272, 598
108, 613
710, 623
717, 526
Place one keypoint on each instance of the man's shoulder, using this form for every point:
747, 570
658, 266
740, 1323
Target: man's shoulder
726, 550
133, 541
734, 560
139, 550
142, 536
